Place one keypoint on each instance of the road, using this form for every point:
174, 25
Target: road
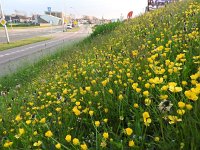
19, 34
15, 58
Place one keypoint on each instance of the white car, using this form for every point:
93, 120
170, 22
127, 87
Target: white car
69, 26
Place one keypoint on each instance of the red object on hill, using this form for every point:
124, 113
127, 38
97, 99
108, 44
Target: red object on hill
130, 14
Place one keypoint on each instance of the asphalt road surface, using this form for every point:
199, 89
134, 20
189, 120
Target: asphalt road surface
19, 34
15, 58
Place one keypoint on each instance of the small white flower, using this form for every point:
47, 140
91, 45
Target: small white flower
18, 86
121, 118
165, 106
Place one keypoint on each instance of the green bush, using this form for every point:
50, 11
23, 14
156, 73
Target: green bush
105, 28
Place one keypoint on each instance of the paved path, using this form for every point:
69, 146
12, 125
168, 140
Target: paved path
17, 57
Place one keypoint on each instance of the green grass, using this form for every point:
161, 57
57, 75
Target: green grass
105, 92
4, 46
30, 71
104, 28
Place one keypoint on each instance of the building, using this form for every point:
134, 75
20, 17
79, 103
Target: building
55, 13
90, 19
18, 19
49, 19
66, 18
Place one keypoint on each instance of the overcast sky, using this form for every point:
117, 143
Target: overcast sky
106, 8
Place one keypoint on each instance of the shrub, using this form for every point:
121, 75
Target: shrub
104, 28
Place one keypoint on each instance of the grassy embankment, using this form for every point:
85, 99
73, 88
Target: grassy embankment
4, 46
136, 87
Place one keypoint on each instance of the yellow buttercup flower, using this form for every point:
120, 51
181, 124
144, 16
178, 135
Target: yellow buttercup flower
43, 120
146, 115
147, 101
181, 111
18, 118
68, 138
156, 139
134, 85
93, 82
49, 94
76, 111
106, 110
84, 147
97, 123
135, 53
184, 83
135, 105
8, 144
156, 80
128, 131
191, 95
35, 133
58, 146
173, 119
88, 88
91, 113
146, 118
175, 89
65, 91
105, 135
21, 131
181, 104
138, 90
78, 103
164, 88
128, 74
104, 83
110, 91
147, 85
173, 84
131, 143
38, 143
75, 141
49, 134
96, 93
163, 97
189, 106
146, 93
28, 122
120, 97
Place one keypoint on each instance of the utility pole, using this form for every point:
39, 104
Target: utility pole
6, 31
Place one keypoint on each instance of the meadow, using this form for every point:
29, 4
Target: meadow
135, 87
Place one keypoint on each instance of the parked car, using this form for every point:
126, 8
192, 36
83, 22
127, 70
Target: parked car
69, 26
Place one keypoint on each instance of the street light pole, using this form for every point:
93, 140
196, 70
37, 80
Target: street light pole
75, 12
6, 31
63, 19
